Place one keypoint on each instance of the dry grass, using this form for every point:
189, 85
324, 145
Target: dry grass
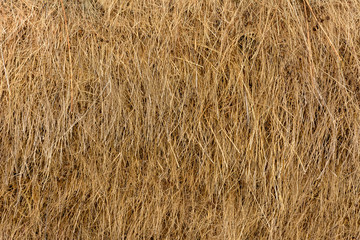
216, 119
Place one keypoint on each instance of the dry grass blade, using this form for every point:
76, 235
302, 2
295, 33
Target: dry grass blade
5, 72
70, 59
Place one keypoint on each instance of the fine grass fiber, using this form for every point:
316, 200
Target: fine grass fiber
188, 119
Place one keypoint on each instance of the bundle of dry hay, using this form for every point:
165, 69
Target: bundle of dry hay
163, 119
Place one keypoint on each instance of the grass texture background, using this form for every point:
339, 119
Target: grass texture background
161, 119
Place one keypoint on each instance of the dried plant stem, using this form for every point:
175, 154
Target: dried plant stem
70, 59
5, 72
311, 61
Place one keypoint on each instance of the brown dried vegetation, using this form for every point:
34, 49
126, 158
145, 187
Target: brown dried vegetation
186, 119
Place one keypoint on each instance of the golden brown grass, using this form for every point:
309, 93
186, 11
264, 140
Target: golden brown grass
216, 119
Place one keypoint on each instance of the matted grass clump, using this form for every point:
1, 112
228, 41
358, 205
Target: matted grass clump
161, 119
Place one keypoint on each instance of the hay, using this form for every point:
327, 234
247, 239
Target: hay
217, 119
